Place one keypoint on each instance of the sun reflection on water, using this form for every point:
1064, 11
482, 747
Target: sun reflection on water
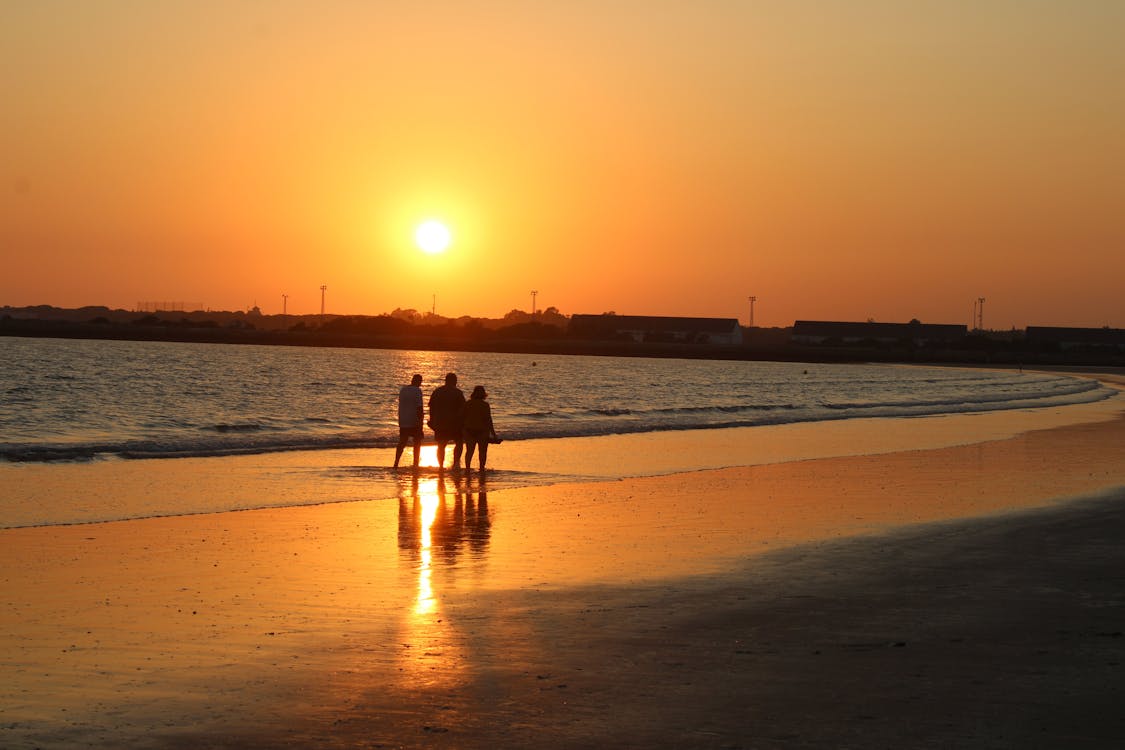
427, 459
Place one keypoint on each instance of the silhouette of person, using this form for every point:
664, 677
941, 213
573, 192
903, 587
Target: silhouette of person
479, 430
447, 410
410, 418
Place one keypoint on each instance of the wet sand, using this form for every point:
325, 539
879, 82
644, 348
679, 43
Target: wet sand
963, 596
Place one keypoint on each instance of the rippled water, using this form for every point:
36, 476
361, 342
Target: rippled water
77, 400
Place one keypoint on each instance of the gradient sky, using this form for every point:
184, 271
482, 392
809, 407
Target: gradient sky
837, 159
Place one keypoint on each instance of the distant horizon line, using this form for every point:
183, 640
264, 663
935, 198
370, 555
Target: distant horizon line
422, 314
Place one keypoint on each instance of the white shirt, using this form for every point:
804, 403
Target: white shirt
409, 404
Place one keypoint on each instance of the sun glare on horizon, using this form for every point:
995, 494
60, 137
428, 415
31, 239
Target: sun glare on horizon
432, 237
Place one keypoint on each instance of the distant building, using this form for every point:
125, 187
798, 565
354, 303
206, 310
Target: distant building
1077, 338
645, 328
833, 332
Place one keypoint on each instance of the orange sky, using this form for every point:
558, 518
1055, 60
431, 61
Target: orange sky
836, 159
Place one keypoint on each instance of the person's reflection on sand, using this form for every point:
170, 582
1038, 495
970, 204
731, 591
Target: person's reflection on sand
438, 519
477, 525
443, 532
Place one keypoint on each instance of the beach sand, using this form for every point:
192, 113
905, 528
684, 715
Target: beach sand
962, 596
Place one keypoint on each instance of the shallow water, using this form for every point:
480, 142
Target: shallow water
38, 494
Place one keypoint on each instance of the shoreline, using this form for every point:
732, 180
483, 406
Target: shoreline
959, 595
121, 489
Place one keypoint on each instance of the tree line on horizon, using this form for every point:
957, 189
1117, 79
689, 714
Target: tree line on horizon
546, 323
546, 330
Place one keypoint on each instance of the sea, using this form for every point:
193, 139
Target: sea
89, 400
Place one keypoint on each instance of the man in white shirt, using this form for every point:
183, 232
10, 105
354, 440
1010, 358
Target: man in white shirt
410, 418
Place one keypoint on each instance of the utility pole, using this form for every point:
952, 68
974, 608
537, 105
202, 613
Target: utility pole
323, 289
533, 293
980, 313
284, 304
433, 307
752, 301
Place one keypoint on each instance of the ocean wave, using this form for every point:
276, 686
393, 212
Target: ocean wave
236, 427
962, 401
725, 409
53, 453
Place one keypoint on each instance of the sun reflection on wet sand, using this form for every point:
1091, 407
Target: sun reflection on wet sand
439, 519
428, 502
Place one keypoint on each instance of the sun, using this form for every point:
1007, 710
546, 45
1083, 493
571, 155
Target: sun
432, 237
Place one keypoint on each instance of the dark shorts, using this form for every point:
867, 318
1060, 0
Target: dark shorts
410, 432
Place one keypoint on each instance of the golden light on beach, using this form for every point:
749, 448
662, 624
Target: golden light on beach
428, 515
429, 500
432, 237
427, 457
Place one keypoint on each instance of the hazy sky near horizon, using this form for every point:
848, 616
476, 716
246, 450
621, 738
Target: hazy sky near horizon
837, 159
